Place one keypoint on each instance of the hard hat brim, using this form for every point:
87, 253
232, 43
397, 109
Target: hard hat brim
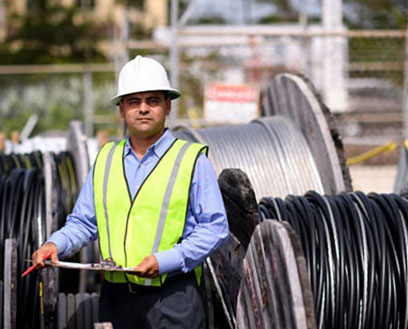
173, 94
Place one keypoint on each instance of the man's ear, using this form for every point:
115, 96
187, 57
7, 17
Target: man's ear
122, 109
168, 106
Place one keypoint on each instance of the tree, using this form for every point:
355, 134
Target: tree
385, 14
51, 33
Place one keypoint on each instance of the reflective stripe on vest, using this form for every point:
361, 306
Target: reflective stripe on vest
154, 220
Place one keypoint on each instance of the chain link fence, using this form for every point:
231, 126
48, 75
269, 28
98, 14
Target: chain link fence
359, 74
56, 94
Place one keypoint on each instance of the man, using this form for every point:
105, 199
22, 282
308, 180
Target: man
155, 204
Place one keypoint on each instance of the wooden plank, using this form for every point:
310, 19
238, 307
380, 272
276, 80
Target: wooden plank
79, 311
50, 297
275, 292
95, 307
71, 311
1, 300
10, 284
87, 311
62, 311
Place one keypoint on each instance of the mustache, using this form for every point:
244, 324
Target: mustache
143, 117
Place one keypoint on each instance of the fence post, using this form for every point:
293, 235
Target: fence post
405, 89
88, 103
334, 63
174, 55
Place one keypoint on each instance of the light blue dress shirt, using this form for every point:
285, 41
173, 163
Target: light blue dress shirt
206, 227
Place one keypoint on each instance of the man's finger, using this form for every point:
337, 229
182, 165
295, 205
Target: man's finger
54, 258
46, 251
37, 259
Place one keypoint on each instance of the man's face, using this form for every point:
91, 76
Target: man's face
145, 113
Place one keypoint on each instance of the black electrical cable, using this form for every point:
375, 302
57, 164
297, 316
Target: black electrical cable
23, 218
376, 245
356, 239
356, 250
14, 204
66, 185
3, 193
34, 198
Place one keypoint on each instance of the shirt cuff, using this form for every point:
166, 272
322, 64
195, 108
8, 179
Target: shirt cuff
60, 242
169, 261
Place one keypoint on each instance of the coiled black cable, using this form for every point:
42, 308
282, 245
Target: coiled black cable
23, 218
66, 186
356, 249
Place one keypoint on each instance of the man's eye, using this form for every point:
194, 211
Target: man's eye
153, 102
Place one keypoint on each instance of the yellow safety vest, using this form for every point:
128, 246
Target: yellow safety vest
154, 220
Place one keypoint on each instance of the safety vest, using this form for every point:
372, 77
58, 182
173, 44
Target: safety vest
154, 220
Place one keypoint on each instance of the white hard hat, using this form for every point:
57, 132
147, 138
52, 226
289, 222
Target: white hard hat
143, 74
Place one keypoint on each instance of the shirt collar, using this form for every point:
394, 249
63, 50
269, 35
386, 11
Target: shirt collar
159, 147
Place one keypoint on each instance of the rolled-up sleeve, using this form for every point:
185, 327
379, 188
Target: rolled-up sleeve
206, 224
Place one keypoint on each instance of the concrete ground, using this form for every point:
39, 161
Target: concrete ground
379, 179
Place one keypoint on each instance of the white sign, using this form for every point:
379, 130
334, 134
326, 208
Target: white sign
230, 103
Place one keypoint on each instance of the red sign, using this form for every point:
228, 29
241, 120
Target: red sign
231, 93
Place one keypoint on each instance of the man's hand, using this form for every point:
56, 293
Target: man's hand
48, 248
148, 268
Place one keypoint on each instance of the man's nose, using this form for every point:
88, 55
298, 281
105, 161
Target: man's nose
144, 107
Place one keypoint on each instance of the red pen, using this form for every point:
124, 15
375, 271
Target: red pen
32, 267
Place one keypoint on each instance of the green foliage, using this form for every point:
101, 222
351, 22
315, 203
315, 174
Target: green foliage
139, 4
378, 50
378, 14
272, 19
55, 99
182, 7
56, 117
358, 14
138, 31
210, 20
383, 14
191, 84
51, 34
283, 6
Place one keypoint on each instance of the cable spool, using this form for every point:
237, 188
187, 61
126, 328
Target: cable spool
23, 218
277, 158
275, 290
356, 255
265, 146
66, 186
15, 161
270, 150
294, 97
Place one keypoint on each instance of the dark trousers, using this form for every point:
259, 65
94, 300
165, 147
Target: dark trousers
177, 304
